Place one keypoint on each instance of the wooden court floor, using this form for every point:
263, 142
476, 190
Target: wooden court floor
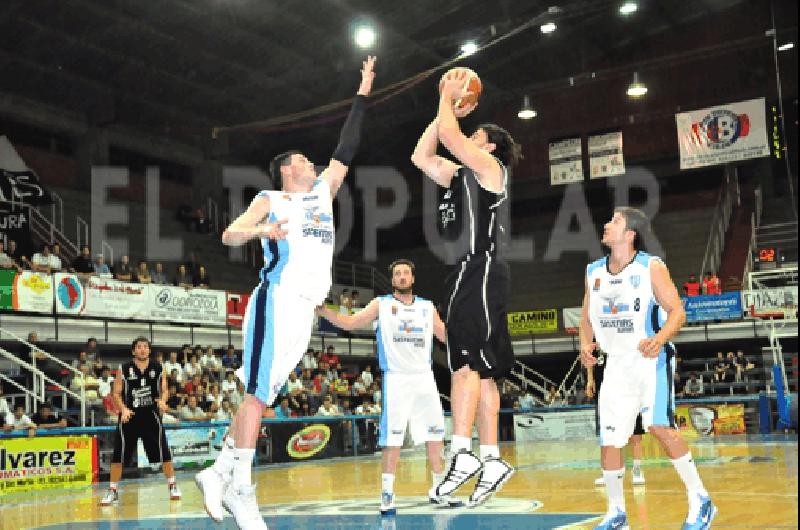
753, 481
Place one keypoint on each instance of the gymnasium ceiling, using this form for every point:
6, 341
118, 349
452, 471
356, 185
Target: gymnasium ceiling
176, 68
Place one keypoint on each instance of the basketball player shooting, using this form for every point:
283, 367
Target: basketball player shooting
295, 226
478, 344
625, 294
406, 326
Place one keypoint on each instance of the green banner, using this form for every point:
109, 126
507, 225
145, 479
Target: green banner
527, 322
6, 288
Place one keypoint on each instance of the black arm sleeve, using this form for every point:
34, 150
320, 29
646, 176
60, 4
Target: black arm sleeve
350, 136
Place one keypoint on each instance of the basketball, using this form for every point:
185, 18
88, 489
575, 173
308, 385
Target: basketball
473, 84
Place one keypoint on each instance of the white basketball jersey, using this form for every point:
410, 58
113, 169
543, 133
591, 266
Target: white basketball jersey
405, 335
302, 261
622, 307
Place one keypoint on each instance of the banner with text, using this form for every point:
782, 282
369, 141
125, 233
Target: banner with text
773, 301
191, 448
15, 226
7, 289
33, 291
100, 297
176, 304
527, 322
712, 419
555, 426
725, 306
47, 462
566, 164
572, 318
722, 134
605, 155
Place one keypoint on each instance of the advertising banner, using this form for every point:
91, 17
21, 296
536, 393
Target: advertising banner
712, 419
304, 441
566, 164
237, 304
572, 318
772, 301
555, 426
15, 226
7, 288
47, 462
177, 304
722, 134
33, 291
605, 155
527, 322
706, 308
191, 448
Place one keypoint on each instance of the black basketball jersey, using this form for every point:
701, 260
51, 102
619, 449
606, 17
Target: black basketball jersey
141, 388
468, 215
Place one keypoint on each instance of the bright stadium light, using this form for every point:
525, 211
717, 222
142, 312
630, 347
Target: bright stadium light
628, 8
364, 36
527, 112
468, 48
549, 27
636, 89
785, 46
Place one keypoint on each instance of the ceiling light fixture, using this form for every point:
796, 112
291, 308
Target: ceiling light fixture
636, 89
468, 48
628, 8
527, 112
364, 36
549, 27
785, 46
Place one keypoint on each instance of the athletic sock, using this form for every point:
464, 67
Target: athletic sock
689, 475
437, 478
242, 467
613, 480
637, 464
460, 442
113, 486
171, 481
226, 458
489, 451
387, 482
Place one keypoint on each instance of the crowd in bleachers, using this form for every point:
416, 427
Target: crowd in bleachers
710, 285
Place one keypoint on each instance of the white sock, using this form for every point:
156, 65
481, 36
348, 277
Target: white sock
113, 486
387, 482
489, 451
460, 442
637, 464
689, 475
613, 480
171, 481
437, 478
225, 460
242, 467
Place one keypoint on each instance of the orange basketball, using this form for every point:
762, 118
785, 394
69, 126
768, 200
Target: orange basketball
473, 84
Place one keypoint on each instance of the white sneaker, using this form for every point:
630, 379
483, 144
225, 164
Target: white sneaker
242, 504
638, 477
496, 472
463, 467
600, 481
213, 486
443, 500
174, 492
387, 503
111, 497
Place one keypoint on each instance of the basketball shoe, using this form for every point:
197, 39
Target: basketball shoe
213, 486
242, 504
463, 466
174, 492
387, 503
495, 473
701, 512
111, 497
616, 520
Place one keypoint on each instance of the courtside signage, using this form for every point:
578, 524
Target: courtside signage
307, 442
47, 462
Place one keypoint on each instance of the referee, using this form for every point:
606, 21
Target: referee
593, 381
140, 388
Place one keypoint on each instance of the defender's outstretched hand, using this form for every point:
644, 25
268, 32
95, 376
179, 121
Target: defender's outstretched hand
367, 76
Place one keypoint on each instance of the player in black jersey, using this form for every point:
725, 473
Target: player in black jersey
478, 345
594, 378
139, 393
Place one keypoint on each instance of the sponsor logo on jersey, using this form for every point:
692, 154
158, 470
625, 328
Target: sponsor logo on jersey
307, 442
636, 281
596, 284
615, 281
394, 309
310, 198
406, 327
622, 325
611, 307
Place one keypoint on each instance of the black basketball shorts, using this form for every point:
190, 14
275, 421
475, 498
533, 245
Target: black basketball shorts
144, 425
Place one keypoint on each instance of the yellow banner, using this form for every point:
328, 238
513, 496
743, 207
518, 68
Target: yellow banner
526, 322
47, 462
711, 419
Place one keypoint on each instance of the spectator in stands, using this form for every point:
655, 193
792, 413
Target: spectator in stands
331, 358
209, 360
82, 264
345, 302
230, 382
366, 376
283, 410
46, 419
20, 421
123, 272
309, 361
214, 394
322, 385
293, 385
526, 401
328, 408
677, 384
193, 384
191, 411
14, 254
6, 262
231, 358
237, 395
92, 351
174, 401
694, 386
692, 286
714, 285
100, 265
377, 394
45, 261
721, 368
341, 385
225, 412
359, 388
158, 277
743, 366
143, 273
56, 251
355, 301
202, 279
174, 365
104, 382
183, 278
308, 381
192, 367
87, 382
83, 358
554, 396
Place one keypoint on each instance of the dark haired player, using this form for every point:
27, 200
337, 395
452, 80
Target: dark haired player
478, 344
295, 226
139, 391
626, 292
